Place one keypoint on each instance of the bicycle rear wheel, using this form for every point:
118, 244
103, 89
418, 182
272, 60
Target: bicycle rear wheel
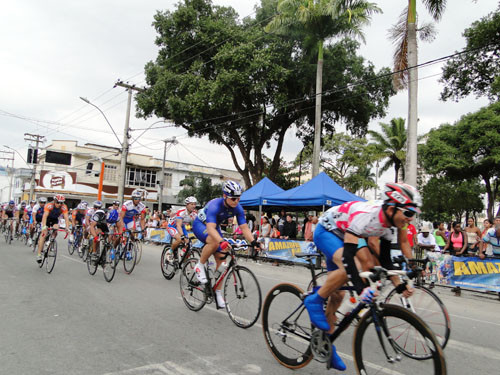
427, 306
404, 328
243, 297
71, 247
51, 256
129, 257
108, 266
167, 267
286, 326
192, 292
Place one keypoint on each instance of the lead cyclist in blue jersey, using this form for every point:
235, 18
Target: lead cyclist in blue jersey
206, 227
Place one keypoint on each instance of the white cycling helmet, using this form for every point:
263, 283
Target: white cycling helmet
232, 189
190, 200
136, 194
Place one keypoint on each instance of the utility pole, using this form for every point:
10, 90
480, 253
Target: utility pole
11, 170
123, 161
37, 139
162, 179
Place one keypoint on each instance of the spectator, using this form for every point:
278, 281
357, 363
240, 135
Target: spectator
497, 220
426, 241
473, 237
250, 221
289, 229
487, 225
307, 218
411, 233
275, 232
314, 223
281, 221
492, 238
256, 232
308, 233
440, 235
266, 227
456, 241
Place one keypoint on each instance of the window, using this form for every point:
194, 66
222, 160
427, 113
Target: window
141, 177
110, 172
168, 180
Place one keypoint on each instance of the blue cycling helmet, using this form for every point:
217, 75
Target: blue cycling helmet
232, 189
12, 202
97, 204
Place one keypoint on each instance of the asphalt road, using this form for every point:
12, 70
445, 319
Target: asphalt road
69, 322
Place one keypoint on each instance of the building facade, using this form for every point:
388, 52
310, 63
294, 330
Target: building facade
74, 170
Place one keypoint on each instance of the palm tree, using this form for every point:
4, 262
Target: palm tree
405, 33
316, 21
391, 145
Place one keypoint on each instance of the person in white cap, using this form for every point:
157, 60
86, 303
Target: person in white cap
426, 241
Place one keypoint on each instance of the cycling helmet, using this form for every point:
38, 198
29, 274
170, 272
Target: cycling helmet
23, 203
99, 217
42, 200
136, 194
112, 216
85, 203
402, 195
33, 201
59, 198
232, 189
12, 202
81, 206
190, 200
116, 202
97, 204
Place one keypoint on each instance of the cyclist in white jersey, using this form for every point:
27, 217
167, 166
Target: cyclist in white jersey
129, 211
176, 226
337, 235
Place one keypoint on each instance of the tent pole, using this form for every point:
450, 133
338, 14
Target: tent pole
323, 209
260, 218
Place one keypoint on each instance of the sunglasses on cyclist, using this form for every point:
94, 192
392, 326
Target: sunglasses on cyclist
407, 213
234, 199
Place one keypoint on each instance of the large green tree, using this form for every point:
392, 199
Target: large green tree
446, 199
467, 150
243, 88
390, 144
315, 22
477, 71
406, 56
199, 187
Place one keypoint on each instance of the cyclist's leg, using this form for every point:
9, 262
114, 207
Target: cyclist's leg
330, 245
210, 247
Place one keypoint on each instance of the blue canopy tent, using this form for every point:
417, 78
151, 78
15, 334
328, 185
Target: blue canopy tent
252, 198
321, 191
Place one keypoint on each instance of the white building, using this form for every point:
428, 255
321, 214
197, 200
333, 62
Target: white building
74, 171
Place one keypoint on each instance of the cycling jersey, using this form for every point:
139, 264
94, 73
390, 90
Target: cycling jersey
132, 210
78, 216
112, 216
38, 212
10, 209
55, 212
186, 217
362, 219
216, 212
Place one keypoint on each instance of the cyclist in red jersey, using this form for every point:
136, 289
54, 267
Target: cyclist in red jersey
50, 219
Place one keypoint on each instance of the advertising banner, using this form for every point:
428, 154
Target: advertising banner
57, 180
286, 249
466, 272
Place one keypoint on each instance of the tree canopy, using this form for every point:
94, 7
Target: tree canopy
243, 88
478, 70
199, 187
467, 150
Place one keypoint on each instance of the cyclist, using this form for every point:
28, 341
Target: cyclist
20, 215
130, 210
97, 225
10, 211
51, 213
176, 227
37, 213
112, 216
28, 217
77, 218
338, 234
206, 227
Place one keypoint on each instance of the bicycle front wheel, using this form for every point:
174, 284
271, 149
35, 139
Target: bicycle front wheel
108, 266
51, 256
243, 297
138, 246
192, 292
167, 267
286, 325
71, 247
396, 327
129, 257
427, 306
92, 263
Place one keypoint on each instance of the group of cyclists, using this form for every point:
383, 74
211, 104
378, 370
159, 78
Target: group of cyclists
352, 236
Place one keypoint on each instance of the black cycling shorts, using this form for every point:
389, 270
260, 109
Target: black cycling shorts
51, 222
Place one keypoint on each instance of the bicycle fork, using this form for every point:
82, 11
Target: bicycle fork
379, 326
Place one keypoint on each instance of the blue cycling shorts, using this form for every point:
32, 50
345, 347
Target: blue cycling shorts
200, 231
328, 243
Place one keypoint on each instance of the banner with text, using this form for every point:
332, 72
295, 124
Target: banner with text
286, 249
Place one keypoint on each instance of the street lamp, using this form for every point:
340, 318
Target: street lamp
99, 109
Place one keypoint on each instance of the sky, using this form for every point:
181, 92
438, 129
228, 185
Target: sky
55, 51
